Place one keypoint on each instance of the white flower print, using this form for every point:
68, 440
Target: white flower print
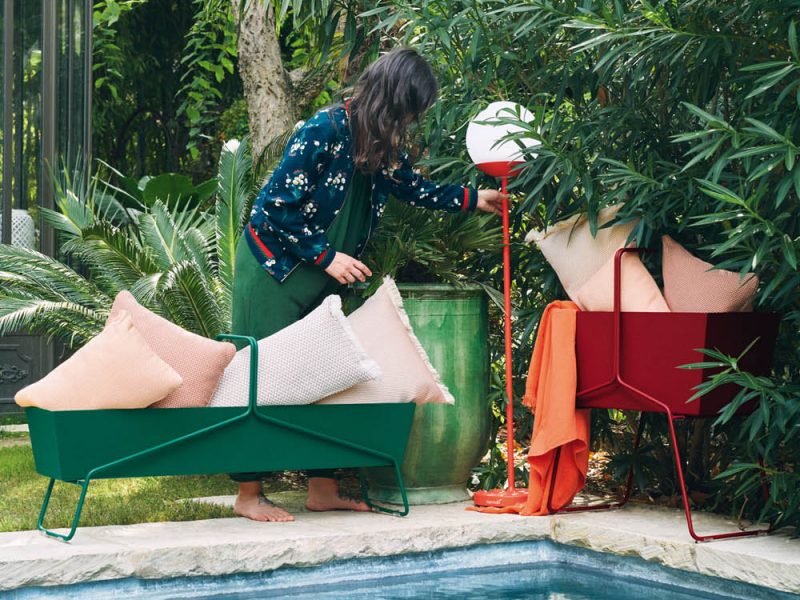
297, 146
298, 179
270, 262
336, 181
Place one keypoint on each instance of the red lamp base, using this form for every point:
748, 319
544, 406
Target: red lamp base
500, 498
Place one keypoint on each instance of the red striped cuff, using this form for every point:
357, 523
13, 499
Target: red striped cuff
470, 201
259, 243
326, 258
321, 257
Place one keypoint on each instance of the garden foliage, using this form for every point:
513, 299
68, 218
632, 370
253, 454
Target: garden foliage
686, 111
176, 258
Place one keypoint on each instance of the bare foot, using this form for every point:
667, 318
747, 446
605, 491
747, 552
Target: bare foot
323, 494
252, 504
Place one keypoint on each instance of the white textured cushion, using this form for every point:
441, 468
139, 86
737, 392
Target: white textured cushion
312, 358
383, 328
574, 253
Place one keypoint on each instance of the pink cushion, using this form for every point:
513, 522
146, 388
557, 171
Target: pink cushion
638, 290
383, 328
200, 361
693, 285
115, 369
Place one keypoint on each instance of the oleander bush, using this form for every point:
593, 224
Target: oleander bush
686, 111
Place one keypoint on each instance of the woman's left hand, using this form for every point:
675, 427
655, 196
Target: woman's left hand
490, 201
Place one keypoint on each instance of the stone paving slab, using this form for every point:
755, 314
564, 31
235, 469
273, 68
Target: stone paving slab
14, 428
225, 546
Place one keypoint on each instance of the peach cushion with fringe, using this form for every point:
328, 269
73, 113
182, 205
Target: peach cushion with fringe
314, 357
383, 328
199, 360
693, 285
115, 369
574, 253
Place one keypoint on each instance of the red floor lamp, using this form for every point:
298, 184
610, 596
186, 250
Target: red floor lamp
493, 152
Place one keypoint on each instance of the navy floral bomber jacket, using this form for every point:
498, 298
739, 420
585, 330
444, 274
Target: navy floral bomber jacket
297, 205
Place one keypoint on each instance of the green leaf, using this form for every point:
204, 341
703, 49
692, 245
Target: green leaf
170, 188
789, 252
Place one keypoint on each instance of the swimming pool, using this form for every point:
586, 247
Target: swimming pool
530, 570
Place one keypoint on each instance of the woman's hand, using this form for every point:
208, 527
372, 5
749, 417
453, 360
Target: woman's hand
490, 201
346, 269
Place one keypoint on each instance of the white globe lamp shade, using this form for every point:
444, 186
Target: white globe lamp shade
485, 132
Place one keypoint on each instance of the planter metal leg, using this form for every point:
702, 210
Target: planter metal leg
78, 509
685, 497
384, 509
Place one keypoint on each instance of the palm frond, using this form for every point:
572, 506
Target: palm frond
234, 193
163, 231
72, 323
113, 256
42, 275
190, 300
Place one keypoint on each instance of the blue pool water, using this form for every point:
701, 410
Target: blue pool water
523, 570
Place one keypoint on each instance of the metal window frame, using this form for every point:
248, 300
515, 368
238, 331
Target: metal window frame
8, 137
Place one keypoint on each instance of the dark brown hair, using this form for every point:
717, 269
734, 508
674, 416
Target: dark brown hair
392, 92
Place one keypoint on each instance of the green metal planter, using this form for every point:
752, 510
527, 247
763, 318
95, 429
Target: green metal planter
446, 442
81, 445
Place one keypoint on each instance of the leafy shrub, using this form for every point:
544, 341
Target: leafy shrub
686, 111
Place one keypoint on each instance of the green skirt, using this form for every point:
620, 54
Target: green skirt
262, 305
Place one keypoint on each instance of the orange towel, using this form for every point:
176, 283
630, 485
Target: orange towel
550, 394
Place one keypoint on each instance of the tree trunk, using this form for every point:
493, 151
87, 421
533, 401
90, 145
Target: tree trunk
275, 99
267, 88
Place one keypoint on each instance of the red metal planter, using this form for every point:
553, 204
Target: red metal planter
630, 361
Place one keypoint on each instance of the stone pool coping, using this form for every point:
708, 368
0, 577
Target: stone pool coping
226, 546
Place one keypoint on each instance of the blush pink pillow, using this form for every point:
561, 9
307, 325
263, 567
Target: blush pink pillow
383, 328
574, 253
115, 369
199, 361
693, 285
639, 291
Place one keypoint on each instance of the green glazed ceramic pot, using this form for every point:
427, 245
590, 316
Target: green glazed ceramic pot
446, 442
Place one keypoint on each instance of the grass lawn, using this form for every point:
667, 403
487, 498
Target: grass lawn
12, 418
109, 502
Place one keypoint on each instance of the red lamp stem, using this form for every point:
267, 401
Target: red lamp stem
507, 307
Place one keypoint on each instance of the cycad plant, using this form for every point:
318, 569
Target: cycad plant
177, 261
423, 246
